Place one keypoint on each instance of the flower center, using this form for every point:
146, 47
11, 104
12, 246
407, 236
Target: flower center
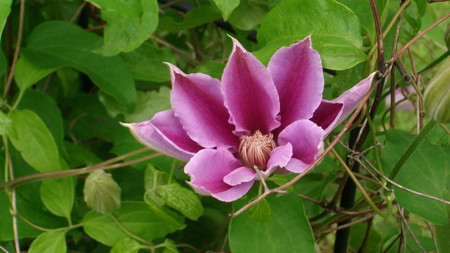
255, 150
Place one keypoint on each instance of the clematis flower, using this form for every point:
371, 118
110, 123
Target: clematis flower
267, 119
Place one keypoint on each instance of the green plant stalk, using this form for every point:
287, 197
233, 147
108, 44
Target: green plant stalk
416, 142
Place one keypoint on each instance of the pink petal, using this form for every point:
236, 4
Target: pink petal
250, 94
306, 139
296, 166
331, 113
233, 193
279, 157
198, 103
327, 115
207, 170
164, 133
298, 75
240, 175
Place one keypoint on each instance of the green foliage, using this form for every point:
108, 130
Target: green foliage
32, 138
286, 230
133, 217
101, 192
337, 40
53, 241
129, 24
5, 9
60, 44
83, 67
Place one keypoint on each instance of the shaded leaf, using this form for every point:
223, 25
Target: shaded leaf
195, 17
287, 230
147, 63
58, 44
249, 14
129, 24
426, 171
148, 104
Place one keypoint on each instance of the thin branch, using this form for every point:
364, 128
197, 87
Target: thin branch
9, 167
68, 173
433, 236
358, 185
367, 217
17, 51
407, 45
400, 211
402, 187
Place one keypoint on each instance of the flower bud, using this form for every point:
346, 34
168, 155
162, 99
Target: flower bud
437, 95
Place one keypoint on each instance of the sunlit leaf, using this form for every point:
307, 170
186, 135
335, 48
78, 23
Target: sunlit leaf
32, 138
51, 242
334, 28
129, 23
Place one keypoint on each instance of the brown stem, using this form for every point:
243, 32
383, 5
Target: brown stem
17, 51
412, 41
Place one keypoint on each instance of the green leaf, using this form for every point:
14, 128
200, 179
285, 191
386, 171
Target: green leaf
27, 74
261, 211
45, 107
129, 24
101, 192
336, 52
425, 171
148, 104
170, 246
249, 14
147, 63
58, 44
226, 7
5, 124
287, 230
181, 199
195, 17
5, 9
126, 245
49, 242
334, 28
30, 136
135, 217
442, 233
58, 195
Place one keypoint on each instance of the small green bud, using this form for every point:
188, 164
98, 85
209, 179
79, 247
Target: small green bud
101, 192
437, 95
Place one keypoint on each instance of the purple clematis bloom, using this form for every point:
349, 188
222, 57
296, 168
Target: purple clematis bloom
270, 119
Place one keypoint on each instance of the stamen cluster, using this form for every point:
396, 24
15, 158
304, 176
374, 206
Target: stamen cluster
255, 149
